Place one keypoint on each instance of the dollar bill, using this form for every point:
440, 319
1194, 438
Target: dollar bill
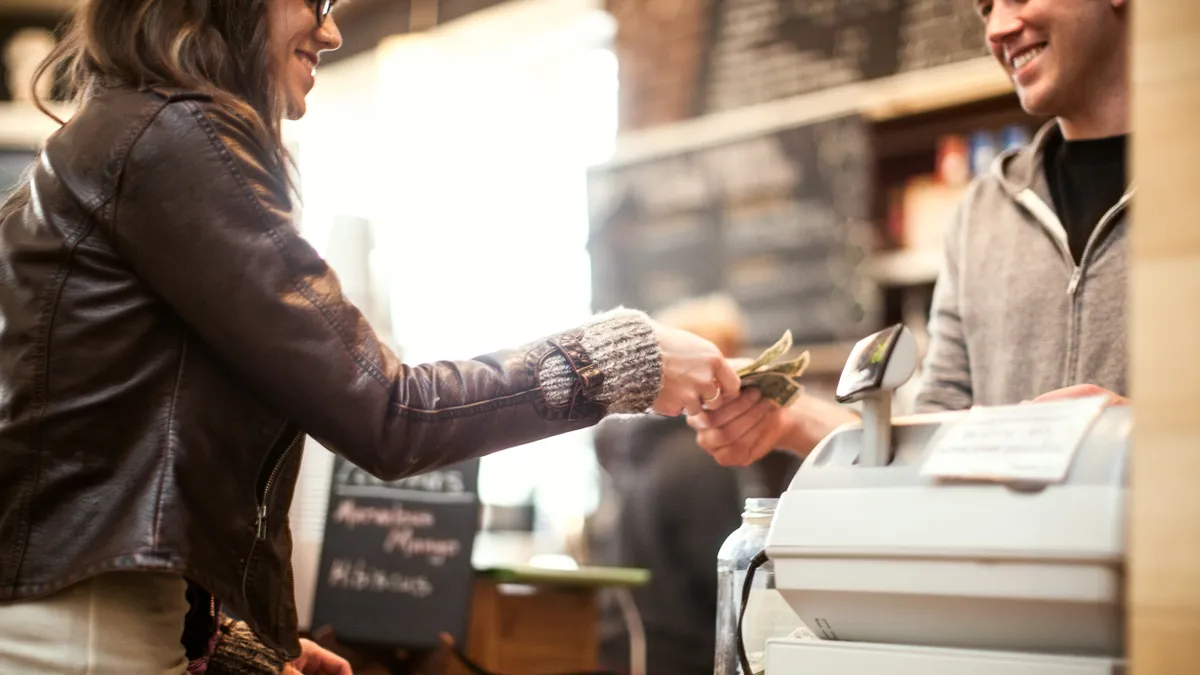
793, 368
778, 387
770, 355
777, 381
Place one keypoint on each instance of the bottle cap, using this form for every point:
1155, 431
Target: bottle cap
760, 506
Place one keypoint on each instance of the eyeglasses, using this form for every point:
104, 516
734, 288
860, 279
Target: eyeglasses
321, 8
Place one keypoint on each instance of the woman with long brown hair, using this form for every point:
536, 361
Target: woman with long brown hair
167, 339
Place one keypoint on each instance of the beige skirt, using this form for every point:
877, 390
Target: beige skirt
114, 624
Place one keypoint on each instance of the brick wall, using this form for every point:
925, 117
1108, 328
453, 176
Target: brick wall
660, 46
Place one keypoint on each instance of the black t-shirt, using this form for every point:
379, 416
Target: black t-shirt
1087, 178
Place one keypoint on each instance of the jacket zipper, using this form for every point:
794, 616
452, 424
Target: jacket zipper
261, 512
261, 518
1109, 217
1049, 221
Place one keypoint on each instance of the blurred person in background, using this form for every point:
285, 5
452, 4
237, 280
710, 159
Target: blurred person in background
667, 508
1030, 303
167, 339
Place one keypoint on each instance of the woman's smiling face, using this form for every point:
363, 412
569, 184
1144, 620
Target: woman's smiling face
300, 31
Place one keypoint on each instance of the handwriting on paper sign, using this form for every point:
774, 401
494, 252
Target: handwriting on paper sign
1025, 439
1014, 443
359, 576
402, 525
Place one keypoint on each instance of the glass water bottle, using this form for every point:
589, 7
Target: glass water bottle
767, 613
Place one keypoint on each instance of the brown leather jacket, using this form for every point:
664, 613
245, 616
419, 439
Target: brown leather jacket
166, 339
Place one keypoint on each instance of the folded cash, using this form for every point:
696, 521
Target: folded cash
777, 381
766, 358
775, 386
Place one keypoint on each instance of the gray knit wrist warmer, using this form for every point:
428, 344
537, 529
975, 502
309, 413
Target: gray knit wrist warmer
622, 344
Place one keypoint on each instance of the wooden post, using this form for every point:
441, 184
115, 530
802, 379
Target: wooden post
422, 15
1164, 552
532, 630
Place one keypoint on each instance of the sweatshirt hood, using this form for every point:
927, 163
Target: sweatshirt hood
1022, 168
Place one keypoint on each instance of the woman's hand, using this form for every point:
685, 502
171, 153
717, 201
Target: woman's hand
695, 374
316, 660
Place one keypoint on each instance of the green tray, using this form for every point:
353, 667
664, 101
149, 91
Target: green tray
584, 576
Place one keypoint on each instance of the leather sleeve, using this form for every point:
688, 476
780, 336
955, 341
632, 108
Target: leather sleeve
209, 229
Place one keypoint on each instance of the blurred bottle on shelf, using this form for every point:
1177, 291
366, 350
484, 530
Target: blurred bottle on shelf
1015, 136
983, 151
953, 162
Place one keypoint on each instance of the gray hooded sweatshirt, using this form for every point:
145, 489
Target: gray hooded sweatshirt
1013, 315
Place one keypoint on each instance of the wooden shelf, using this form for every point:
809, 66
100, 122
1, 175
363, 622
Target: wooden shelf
905, 267
924, 91
879, 100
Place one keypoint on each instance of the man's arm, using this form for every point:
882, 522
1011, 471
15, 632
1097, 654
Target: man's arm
946, 372
750, 427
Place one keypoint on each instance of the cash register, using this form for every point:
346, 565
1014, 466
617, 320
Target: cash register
980, 542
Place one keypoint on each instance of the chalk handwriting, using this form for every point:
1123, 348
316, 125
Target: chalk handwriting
450, 481
405, 541
350, 514
358, 576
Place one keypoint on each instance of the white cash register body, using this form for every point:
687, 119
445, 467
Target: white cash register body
1015, 569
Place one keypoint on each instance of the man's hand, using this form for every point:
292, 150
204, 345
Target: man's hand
743, 431
1082, 391
316, 660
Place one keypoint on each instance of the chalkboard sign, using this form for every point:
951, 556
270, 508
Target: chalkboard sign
778, 221
396, 559
763, 50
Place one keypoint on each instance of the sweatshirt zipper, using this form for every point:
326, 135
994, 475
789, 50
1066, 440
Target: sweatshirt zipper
1109, 217
1050, 222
